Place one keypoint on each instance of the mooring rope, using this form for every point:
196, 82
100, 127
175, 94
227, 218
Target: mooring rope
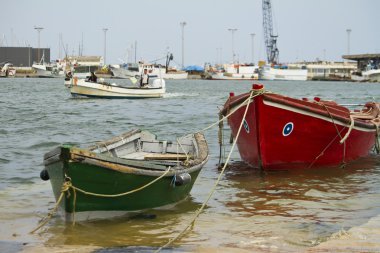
184, 151
343, 164
199, 211
253, 93
46, 219
352, 123
377, 144
220, 140
121, 194
67, 185
323, 150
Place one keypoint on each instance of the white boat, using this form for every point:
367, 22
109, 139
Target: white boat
101, 89
236, 72
358, 77
129, 70
8, 70
372, 75
49, 70
270, 73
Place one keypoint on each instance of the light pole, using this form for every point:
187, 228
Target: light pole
232, 30
183, 43
253, 48
39, 29
105, 44
348, 40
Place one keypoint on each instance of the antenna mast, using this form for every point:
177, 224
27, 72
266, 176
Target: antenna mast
270, 38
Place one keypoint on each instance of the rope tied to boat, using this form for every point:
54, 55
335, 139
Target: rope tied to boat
65, 188
120, 194
367, 114
253, 94
220, 139
186, 162
199, 211
343, 163
67, 185
377, 143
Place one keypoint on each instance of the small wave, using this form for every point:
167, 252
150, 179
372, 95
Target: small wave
21, 180
4, 161
324, 195
45, 144
173, 95
72, 113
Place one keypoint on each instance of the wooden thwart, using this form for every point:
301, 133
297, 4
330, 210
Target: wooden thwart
165, 157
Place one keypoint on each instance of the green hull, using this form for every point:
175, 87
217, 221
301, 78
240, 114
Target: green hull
107, 181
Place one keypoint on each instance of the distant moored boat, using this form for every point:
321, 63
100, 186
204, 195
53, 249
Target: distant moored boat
280, 73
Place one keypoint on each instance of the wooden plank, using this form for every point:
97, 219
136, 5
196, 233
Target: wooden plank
77, 153
165, 157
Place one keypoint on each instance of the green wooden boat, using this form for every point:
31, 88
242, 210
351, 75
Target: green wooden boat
128, 173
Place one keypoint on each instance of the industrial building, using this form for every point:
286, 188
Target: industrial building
23, 56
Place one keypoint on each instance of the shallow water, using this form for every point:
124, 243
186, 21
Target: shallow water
287, 211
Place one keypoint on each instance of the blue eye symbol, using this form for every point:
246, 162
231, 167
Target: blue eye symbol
288, 128
246, 127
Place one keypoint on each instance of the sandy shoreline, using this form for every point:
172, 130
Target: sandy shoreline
363, 238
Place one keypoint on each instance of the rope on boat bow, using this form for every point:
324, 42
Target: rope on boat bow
67, 185
65, 188
343, 139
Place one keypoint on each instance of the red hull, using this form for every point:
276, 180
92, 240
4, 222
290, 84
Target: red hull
286, 133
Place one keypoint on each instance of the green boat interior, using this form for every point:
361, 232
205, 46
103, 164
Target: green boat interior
143, 146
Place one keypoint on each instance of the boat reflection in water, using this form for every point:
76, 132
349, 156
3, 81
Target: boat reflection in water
144, 231
304, 207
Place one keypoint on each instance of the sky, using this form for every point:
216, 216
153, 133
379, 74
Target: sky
307, 29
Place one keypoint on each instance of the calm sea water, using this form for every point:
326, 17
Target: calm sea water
250, 210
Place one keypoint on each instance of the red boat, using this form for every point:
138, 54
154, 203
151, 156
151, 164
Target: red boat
280, 132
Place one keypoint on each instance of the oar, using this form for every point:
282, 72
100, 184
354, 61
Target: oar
352, 104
